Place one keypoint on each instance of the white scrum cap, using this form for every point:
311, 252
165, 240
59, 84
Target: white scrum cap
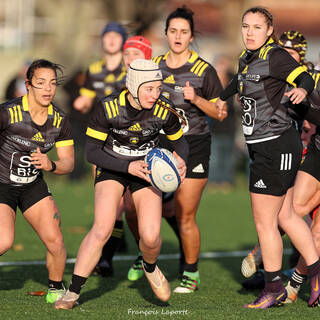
141, 71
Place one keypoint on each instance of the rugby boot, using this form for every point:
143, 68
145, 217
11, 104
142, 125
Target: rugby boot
54, 294
315, 291
159, 284
190, 282
67, 301
268, 299
251, 262
136, 271
292, 293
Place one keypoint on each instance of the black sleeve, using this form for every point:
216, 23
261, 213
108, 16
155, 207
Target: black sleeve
4, 118
231, 89
304, 111
211, 87
100, 158
181, 147
285, 68
305, 81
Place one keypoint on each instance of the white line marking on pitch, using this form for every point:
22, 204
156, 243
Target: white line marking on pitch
170, 256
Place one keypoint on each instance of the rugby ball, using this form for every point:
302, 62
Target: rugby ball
164, 172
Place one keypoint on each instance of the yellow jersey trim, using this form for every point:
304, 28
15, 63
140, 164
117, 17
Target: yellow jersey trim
64, 143
25, 104
294, 74
122, 98
87, 93
175, 136
96, 134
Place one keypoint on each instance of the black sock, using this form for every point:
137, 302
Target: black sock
77, 282
297, 279
191, 267
114, 242
314, 269
149, 267
172, 221
273, 281
55, 284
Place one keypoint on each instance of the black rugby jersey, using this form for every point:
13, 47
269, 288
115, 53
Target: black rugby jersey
261, 83
314, 100
128, 133
101, 82
202, 77
20, 136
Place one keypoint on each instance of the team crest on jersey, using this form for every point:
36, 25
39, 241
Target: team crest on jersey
135, 127
166, 94
169, 79
134, 140
110, 78
37, 137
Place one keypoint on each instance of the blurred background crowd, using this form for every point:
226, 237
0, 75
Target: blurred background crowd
68, 32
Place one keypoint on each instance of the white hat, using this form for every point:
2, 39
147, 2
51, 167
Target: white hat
141, 71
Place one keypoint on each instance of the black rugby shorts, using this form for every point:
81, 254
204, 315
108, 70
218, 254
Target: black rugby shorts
23, 196
274, 163
127, 180
311, 163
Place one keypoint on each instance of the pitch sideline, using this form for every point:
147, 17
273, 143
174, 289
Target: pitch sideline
170, 256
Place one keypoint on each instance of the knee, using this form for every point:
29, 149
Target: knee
186, 220
300, 208
151, 240
55, 244
101, 234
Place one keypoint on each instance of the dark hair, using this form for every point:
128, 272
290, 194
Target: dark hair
183, 12
42, 63
267, 15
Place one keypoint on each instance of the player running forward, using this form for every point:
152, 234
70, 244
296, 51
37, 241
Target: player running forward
30, 126
136, 47
192, 85
121, 132
274, 148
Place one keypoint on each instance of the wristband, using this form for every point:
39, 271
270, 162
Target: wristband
54, 166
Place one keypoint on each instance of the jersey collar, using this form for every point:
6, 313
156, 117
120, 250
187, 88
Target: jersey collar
194, 56
25, 105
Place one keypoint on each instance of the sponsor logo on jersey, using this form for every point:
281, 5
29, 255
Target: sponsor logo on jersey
169, 79
198, 169
178, 89
135, 127
260, 184
253, 77
37, 137
98, 84
122, 132
20, 141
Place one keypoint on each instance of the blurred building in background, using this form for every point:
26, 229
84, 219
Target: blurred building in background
67, 31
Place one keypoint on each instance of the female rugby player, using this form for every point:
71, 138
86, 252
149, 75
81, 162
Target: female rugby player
192, 85
30, 126
120, 133
274, 148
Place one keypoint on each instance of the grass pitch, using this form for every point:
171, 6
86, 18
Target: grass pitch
226, 225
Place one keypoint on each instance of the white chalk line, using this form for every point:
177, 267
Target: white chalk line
170, 256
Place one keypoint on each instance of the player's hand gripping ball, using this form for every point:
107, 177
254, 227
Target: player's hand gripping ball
164, 169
